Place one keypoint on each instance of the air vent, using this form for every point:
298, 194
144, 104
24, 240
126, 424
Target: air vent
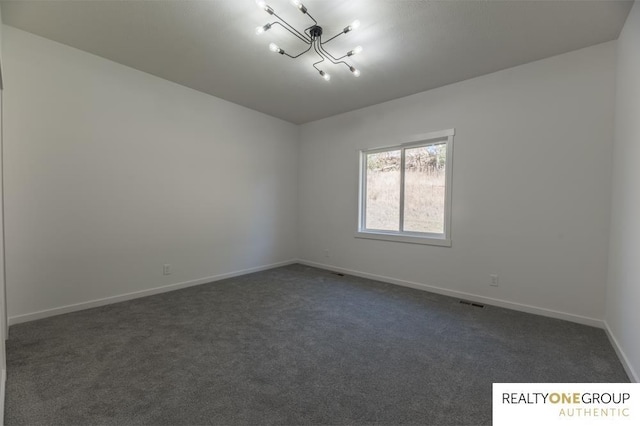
469, 303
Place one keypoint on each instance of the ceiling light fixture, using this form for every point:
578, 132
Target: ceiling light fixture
312, 36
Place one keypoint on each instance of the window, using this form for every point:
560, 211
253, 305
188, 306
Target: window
405, 191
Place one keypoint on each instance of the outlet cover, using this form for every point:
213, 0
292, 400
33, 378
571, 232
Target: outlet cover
166, 269
494, 280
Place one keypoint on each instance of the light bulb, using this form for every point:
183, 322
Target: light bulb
263, 5
260, 30
356, 72
326, 76
353, 26
299, 5
274, 48
355, 51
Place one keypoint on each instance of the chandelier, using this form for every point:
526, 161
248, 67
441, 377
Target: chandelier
312, 36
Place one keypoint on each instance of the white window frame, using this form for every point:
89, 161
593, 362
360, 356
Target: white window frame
436, 239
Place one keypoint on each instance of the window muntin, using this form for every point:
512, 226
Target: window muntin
405, 191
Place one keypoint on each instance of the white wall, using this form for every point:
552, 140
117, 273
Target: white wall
623, 290
3, 314
111, 172
531, 185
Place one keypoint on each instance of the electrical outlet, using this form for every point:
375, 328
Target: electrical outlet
326, 253
166, 269
494, 280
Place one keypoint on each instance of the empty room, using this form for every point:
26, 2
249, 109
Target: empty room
329, 212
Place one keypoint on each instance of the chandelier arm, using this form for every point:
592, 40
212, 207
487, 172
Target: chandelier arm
323, 52
337, 35
326, 53
307, 29
352, 52
322, 57
312, 18
340, 62
331, 57
294, 33
315, 63
347, 65
291, 28
299, 54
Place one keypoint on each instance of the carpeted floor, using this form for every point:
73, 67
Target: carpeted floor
293, 345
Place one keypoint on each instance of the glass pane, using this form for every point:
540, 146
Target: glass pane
424, 186
383, 191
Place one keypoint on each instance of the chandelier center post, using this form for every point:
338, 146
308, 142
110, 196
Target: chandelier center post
315, 31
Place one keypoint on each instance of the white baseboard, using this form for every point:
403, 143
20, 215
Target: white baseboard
17, 319
3, 381
467, 296
633, 376
420, 286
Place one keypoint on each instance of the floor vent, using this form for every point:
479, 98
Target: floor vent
467, 302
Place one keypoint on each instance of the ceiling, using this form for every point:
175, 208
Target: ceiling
409, 46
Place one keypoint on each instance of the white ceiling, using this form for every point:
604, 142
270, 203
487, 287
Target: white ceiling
409, 46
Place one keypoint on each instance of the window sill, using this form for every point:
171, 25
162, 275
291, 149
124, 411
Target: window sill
399, 238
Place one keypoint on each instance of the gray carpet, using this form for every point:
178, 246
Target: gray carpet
293, 345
